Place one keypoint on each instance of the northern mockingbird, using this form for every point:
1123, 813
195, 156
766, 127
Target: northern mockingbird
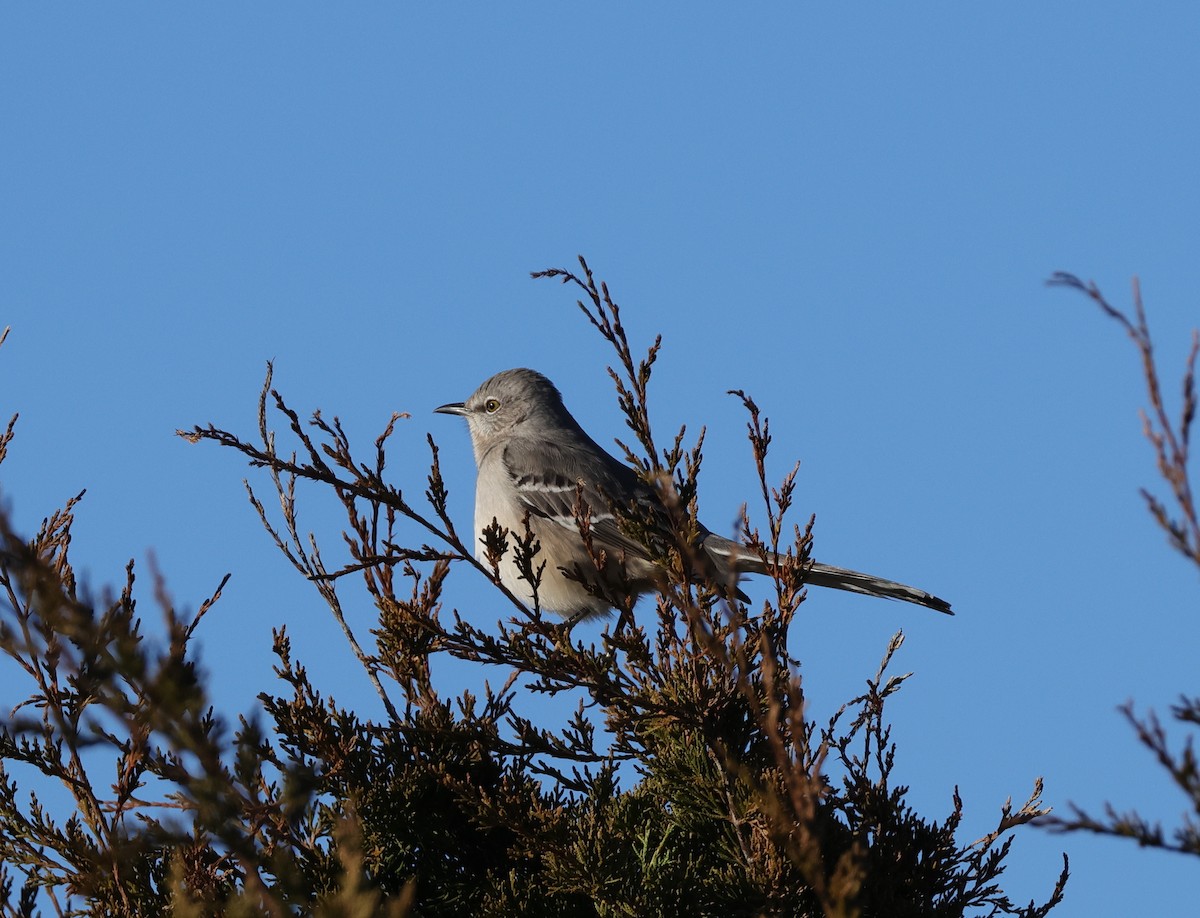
536, 462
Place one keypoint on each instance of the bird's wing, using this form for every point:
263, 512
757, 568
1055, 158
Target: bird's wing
550, 479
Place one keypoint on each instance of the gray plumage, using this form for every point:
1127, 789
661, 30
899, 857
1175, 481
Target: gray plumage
534, 458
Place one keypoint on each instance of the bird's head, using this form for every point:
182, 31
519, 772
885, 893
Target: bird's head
511, 403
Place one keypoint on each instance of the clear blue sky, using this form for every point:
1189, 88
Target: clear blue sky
849, 212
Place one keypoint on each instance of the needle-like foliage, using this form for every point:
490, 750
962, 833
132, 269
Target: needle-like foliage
690, 779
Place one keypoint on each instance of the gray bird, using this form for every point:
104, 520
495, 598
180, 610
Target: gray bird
535, 460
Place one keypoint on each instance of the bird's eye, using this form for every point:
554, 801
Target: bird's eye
492, 405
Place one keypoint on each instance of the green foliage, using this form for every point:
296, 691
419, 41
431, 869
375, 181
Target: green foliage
741, 805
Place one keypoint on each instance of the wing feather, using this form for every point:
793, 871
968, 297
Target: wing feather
553, 495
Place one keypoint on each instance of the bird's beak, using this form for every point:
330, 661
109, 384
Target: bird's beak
453, 408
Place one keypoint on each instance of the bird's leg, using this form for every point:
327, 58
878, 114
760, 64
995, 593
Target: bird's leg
573, 619
625, 618
562, 631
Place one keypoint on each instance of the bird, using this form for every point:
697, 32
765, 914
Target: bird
536, 463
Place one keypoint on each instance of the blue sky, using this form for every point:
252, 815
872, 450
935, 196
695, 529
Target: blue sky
848, 212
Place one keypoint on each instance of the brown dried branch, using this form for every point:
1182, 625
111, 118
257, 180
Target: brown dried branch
1171, 442
1169, 439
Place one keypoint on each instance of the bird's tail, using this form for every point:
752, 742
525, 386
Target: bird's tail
842, 579
823, 575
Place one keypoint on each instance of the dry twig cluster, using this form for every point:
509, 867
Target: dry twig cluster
1177, 516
